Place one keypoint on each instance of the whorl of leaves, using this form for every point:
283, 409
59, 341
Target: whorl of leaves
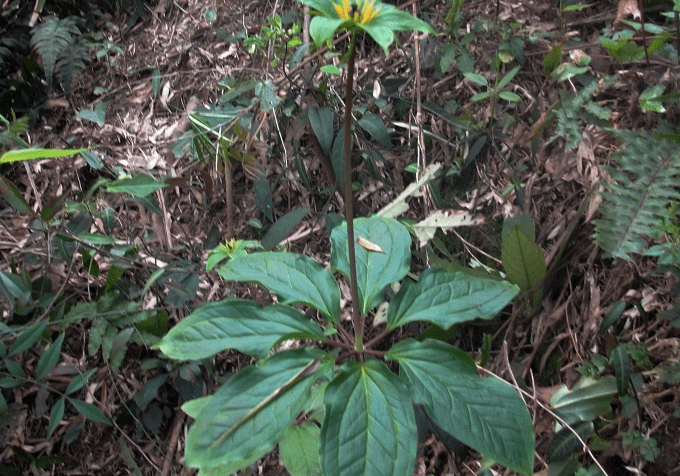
636, 204
60, 44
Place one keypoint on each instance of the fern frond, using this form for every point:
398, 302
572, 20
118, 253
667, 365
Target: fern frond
72, 64
52, 40
636, 204
582, 107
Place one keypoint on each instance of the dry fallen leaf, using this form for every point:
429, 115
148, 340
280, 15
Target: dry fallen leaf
625, 8
370, 246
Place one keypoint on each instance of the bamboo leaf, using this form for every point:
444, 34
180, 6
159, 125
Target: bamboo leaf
283, 227
30, 154
89, 411
564, 443
49, 359
56, 414
27, 339
621, 363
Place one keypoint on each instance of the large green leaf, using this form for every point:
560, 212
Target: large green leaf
484, 413
293, 278
321, 119
587, 399
523, 260
369, 428
235, 324
375, 270
246, 417
446, 298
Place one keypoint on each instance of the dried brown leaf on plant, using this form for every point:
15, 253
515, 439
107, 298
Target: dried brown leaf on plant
625, 8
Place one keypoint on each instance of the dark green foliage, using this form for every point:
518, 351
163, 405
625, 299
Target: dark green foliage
58, 38
20, 85
636, 204
576, 108
59, 43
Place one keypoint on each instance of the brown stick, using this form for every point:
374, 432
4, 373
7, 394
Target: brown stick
177, 424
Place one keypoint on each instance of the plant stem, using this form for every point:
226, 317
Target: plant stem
228, 189
349, 205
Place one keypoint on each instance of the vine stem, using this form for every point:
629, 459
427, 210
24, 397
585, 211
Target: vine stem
357, 321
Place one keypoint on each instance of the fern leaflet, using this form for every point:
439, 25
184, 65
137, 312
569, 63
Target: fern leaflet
58, 42
636, 205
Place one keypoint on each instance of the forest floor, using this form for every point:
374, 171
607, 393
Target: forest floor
516, 172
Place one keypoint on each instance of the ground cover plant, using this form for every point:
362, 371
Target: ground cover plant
520, 157
369, 424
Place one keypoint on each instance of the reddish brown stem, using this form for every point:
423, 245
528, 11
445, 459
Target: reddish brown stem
357, 321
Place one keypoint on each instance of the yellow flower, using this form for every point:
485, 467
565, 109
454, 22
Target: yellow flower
343, 10
368, 11
363, 12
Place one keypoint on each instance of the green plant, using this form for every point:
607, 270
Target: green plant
361, 394
276, 37
496, 91
366, 411
222, 135
577, 409
11, 136
523, 260
62, 48
645, 447
35, 339
637, 203
78, 233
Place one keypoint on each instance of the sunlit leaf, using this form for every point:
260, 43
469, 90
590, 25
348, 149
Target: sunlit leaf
31, 154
